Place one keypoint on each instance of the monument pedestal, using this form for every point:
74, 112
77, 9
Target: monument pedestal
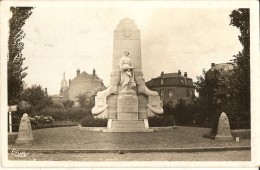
128, 126
127, 115
127, 107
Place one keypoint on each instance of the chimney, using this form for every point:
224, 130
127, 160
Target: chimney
94, 72
162, 73
185, 74
179, 72
45, 91
212, 65
69, 81
78, 72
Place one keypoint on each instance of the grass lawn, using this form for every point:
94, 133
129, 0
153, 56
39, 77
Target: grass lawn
73, 138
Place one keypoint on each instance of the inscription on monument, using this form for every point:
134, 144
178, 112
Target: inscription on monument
127, 109
127, 106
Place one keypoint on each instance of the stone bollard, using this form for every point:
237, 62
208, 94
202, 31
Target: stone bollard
25, 131
223, 133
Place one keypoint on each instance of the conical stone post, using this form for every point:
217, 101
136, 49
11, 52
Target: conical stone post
25, 131
223, 133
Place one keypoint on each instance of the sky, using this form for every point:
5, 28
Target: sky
65, 39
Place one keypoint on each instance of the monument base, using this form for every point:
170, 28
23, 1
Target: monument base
128, 126
224, 138
127, 107
24, 141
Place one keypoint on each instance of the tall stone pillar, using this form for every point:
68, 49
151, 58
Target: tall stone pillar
127, 109
127, 38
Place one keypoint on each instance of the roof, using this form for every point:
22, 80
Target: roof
171, 79
223, 67
85, 74
171, 75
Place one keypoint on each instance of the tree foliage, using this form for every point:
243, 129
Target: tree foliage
36, 97
85, 100
229, 90
241, 80
15, 57
68, 104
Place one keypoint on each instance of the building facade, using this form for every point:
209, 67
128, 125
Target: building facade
222, 67
172, 87
82, 83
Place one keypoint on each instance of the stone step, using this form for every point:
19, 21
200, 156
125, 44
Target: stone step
128, 130
127, 124
128, 121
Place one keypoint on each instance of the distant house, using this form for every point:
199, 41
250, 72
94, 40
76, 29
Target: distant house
172, 87
82, 83
222, 67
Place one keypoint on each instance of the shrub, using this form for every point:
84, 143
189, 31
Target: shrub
90, 121
161, 121
57, 105
62, 114
68, 103
53, 125
41, 120
184, 112
240, 125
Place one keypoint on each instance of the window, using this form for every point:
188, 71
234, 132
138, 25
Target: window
188, 94
161, 93
162, 81
170, 93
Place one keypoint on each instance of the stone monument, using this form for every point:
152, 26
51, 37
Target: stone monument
223, 133
127, 102
25, 131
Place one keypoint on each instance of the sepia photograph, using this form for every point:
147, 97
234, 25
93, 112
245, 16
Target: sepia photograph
129, 84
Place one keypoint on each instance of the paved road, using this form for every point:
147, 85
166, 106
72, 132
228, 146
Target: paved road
156, 156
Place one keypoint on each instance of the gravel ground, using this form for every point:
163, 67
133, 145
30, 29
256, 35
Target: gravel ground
73, 138
160, 156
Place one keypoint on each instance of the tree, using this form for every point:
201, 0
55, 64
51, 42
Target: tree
206, 86
85, 100
68, 103
240, 81
36, 97
213, 97
16, 70
229, 91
